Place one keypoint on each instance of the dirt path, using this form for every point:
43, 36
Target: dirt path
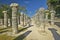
36, 35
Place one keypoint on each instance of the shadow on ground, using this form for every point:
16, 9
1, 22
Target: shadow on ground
3, 31
3, 28
55, 34
57, 23
24, 28
21, 37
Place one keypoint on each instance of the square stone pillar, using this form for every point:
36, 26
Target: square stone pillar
22, 19
14, 7
52, 16
9, 23
46, 16
5, 19
42, 19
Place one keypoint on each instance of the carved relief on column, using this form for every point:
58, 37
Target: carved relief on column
14, 7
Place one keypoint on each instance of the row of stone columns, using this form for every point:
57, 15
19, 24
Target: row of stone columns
24, 19
41, 16
15, 18
52, 12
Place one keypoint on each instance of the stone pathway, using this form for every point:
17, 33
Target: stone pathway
37, 35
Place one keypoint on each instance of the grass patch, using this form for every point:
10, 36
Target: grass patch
6, 37
22, 29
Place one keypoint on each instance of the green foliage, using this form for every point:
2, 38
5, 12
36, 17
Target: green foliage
56, 6
58, 11
9, 13
52, 0
3, 7
1, 14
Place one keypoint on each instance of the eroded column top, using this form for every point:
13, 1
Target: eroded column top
52, 11
41, 9
14, 5
22, 13
47, 12
4, 12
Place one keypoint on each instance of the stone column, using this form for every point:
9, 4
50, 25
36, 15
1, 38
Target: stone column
37, 20
14, 17
21, 19
46, 17
5, 19
42, 19
25, 20
52, 16
9, 22
18, 17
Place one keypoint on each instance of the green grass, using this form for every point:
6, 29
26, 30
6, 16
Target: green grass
22, 29
6, 37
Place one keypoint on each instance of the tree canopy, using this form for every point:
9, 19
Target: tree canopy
55, 5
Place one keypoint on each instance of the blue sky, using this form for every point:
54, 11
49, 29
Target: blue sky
31, 5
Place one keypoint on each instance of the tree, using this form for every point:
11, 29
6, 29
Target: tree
55, 5
3, 7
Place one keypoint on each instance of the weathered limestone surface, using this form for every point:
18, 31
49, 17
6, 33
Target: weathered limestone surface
5, 19
22, 19
25, 20
18, 17
42, 18
52, 16
9, 22
14, 17
46, 16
